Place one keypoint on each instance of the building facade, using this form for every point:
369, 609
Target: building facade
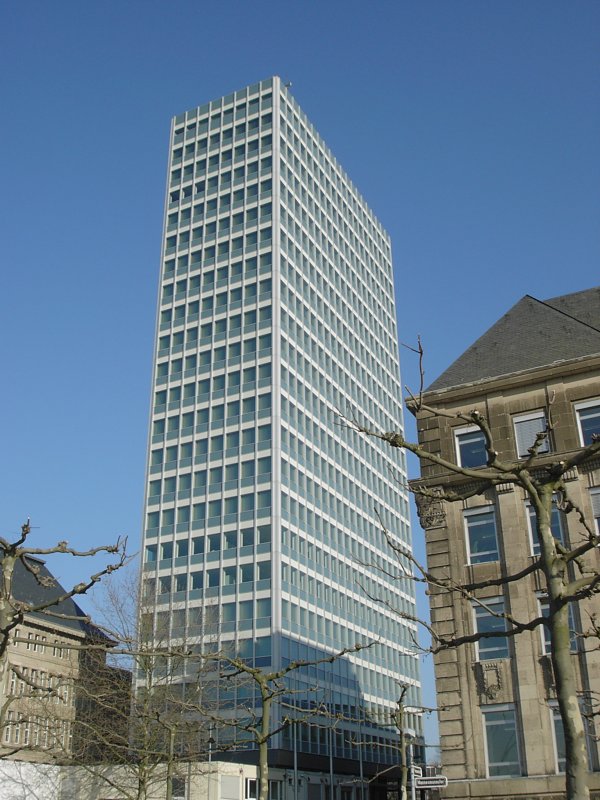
191, 781
501, 734
276, 312
46, 659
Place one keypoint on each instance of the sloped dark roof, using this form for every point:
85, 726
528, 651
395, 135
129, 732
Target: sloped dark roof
534, 333
26, 589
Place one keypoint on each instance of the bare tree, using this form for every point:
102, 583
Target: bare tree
30, 595
258, 725
143, 712
178, 698
567, 572
21, 780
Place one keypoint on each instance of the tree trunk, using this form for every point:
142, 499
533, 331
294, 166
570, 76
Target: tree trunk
557, 577
170, 752
570, 711
7, 625
263, 749
399, 722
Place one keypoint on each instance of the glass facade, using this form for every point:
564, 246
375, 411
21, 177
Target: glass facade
276, 312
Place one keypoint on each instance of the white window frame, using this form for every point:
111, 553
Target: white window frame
520, 418
461, 431
580, 407
473, 512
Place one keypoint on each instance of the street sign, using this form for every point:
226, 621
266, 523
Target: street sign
431, 782
416, 770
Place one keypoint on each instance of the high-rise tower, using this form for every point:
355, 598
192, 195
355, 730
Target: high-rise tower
276, 311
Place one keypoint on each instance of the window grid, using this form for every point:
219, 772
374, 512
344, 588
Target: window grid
218, 246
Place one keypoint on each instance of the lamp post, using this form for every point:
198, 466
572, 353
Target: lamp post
331, 789
211, 741
295, 762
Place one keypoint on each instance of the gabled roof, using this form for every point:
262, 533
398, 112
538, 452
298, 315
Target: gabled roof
26, 589
534, 333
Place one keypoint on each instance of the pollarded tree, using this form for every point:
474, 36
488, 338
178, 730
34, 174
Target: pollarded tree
258, 725
181, 694
31, 597
143, 712
568, 573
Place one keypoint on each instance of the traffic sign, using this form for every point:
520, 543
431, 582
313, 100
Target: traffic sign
416, 770
431, 782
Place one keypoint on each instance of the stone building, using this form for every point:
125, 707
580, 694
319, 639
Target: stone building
501, 734
47, 659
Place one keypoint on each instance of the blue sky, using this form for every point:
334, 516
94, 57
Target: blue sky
471, 128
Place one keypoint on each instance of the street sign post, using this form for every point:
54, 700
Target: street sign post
431, 782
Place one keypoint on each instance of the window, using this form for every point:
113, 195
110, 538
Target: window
559, 738
275, 790
546, 643
527, 427
588, 419
557, 523
178, 788
263, 500
264, 534
229, 576
263, 607
198, 545
183, 547
264, 570
470, 447
501, 738
490, 622
245, 610
595, 498
230, 540
230, 505
151, 552
482, 541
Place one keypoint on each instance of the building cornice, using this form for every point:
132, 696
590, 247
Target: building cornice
499, 383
